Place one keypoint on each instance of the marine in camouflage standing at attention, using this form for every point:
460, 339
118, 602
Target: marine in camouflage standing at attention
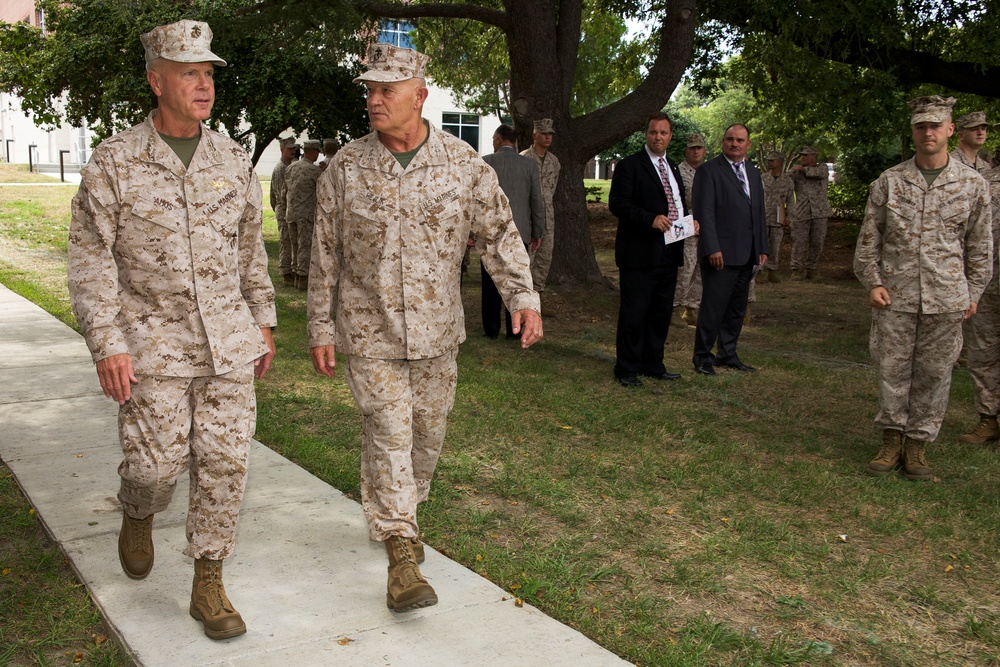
809, 213
925, 254
983, 346
548, 169
300, 211
394, 213
168, 279
687, 296
778, 190
972, 130
278, 196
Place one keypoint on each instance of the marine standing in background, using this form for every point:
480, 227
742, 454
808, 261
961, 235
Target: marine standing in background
688, 292
925, 255
972, 130
278, 195
778, 191
548, 167
395, 210
168, 280
301, 180
809, 213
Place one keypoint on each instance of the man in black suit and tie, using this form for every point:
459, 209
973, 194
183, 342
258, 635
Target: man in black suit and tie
647, 197
728, 203
520, 181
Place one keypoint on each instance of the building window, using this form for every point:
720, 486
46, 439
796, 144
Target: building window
397, 33
462, 125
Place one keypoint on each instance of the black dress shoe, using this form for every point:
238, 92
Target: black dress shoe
630, 381
665, 375
740, 366
704, 369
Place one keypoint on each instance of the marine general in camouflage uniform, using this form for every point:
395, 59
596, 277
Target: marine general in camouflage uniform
395, 210
972, 130
984, 339
688, 292
809, 213
301, 179
778, 191
289, 151
168, 279
925, 254
548, 168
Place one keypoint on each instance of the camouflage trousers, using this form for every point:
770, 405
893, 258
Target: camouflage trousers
405, 407
284, 248
983, 348
688, 292
293, 244
807, 242
775, 234
202, 425
303, 246
915, 353
541, 261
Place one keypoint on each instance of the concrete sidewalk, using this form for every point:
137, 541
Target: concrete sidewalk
309, 584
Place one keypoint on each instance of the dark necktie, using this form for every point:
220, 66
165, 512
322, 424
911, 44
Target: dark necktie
672, 214
738, 168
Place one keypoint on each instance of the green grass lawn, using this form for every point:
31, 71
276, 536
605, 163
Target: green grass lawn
707, 521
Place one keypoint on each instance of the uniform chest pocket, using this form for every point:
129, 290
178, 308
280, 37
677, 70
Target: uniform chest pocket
955, 215
157, 212
439, 213
364, 229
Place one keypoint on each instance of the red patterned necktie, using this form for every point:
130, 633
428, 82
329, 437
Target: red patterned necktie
672, 214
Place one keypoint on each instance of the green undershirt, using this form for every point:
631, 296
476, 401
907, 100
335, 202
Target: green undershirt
183, 147
405, 157
931, 174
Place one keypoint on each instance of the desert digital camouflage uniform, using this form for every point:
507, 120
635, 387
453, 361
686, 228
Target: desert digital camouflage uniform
984, 329
548, 169
808, 215
931, 249
300, 211
167, 264
778, 192
386, 264
688, 292
979, 164
277, 196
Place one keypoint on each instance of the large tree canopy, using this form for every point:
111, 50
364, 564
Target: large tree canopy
89, 68
543, 41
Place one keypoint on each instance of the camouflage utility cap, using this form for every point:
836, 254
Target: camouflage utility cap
388, 63
695, 141
931, 109
775, 155
971, 120
289, 142
808, 150
544, 126
182, 42
310, 145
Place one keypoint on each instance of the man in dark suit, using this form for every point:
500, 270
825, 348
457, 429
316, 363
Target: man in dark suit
521, 182
728, 203
647, 197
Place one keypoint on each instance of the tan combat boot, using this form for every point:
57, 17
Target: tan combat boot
889, 456
677, 317
135, 546
418, 549
209, 603
407, 588
690, 317
915, 462
796, 274
289, 279
986, 432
